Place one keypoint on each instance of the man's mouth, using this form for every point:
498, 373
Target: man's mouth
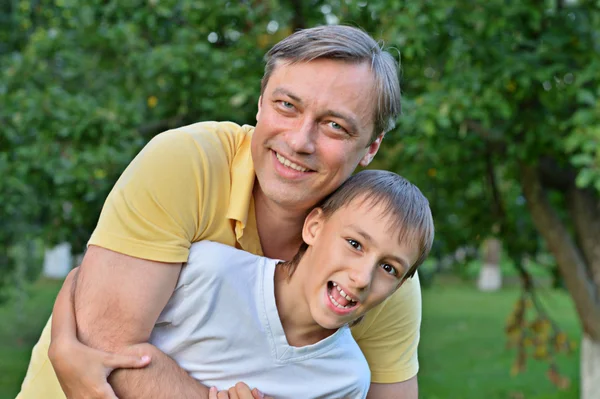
286, 162
338, 297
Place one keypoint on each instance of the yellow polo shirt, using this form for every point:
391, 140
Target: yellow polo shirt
195, 183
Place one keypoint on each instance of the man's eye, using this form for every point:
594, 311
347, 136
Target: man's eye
287, 105
389, 269
337, 126
355, 244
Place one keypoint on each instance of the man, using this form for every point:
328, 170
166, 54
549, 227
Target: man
328, 96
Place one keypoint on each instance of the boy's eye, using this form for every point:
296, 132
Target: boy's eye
389, 269
355, 244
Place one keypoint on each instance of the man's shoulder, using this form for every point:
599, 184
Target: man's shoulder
227, 133
206, 149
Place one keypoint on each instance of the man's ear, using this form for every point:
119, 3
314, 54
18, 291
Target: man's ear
259, 107
312, 225
372, 150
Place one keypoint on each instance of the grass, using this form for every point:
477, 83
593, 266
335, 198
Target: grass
462, 352
22, 323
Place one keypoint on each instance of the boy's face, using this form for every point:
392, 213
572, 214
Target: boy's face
354, 262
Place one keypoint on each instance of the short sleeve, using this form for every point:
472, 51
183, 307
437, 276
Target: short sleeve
168, 194
389, 335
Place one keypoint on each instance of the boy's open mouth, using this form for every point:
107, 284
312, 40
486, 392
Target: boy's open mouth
338, 297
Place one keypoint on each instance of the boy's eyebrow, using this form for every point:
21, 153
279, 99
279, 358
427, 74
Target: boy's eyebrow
368, 238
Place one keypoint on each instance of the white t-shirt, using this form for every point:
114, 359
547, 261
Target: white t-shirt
221, 325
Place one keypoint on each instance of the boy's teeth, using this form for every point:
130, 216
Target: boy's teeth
342, 293
338, 305
289, 164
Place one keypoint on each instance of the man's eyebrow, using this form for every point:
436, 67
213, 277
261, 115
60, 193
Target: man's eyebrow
369, 239
284, 92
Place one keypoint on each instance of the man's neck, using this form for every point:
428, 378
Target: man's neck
279, 229
299, 326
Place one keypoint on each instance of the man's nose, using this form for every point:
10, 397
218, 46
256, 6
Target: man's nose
302, 139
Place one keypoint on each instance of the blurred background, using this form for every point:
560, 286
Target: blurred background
500, 129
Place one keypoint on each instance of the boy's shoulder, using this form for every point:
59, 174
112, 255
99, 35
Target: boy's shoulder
206, 251
221, 262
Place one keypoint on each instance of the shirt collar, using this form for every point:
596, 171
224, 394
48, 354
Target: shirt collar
241, 201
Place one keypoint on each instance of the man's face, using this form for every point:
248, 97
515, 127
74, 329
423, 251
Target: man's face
314, 126
353, 263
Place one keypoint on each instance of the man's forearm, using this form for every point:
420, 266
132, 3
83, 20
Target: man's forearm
163, 378
408, 389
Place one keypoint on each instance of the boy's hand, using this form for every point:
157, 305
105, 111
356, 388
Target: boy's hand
239, 391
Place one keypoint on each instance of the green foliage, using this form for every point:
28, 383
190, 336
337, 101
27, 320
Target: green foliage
487, 87
84, 87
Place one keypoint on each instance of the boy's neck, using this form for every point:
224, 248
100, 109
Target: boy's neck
279, 229
298, 324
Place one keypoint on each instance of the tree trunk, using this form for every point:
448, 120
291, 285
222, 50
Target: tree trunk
570, 258
490, 276
590, 369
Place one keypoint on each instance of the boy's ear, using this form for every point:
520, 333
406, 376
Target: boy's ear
312, 225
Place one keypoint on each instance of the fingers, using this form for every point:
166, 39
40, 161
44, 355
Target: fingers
212, 393
243, 391
223, 395
117, 361
239, 391
233, 393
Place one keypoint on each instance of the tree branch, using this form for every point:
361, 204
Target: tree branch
494, 139
568, 256
583, 207
556, 176
298, 22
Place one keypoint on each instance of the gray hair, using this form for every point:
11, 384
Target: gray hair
347, 44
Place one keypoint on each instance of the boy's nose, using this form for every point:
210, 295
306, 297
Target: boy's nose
361, 277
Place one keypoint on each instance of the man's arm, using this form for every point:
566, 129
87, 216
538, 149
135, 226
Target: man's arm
118, 299
400, 390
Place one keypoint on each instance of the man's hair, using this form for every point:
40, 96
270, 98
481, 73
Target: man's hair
347, 44
402, 200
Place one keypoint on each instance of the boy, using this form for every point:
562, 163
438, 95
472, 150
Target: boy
283, 326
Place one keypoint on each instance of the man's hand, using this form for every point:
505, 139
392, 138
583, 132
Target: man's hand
71, 358
239, 391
